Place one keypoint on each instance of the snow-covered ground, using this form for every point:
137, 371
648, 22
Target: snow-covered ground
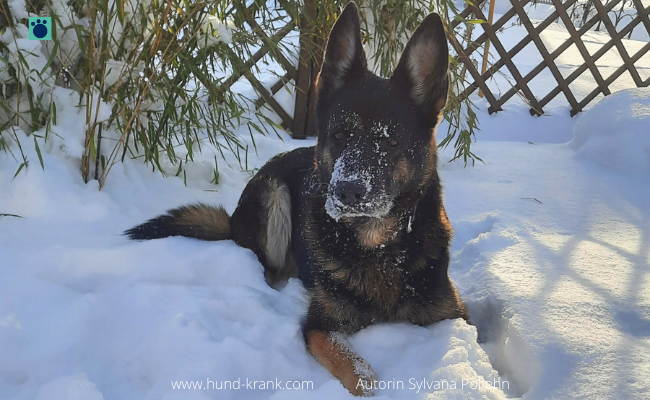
551, 253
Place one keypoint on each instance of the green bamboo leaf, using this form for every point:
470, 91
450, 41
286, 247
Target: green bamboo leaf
38, 151
50, 59
215, 178
23, 165
120, 11
81, 39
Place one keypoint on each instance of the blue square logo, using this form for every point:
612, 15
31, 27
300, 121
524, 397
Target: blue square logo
40, 28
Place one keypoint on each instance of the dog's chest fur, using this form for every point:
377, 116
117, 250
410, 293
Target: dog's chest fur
374, 278
361, 282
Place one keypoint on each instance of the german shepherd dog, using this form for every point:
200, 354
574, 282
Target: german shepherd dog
358, 217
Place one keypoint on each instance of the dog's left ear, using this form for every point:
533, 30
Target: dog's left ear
423, 67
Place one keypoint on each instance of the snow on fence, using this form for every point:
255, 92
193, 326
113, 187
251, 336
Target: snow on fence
603, 14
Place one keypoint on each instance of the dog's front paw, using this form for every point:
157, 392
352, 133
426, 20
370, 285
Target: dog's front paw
332, 350
365, 378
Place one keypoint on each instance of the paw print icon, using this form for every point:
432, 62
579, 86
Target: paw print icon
40, 28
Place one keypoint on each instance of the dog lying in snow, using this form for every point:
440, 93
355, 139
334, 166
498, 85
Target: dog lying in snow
359, 217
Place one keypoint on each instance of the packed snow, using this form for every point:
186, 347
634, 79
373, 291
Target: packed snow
551, 253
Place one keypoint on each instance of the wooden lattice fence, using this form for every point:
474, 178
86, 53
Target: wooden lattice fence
269, 46
560, 13
594, 14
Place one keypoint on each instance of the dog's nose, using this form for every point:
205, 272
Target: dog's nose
350, 192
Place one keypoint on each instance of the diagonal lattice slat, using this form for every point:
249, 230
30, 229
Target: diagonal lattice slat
496, 26
644, 15
545, 54
496, 106
602, 12
568, 24
561, 49
521, 85
550, 62
604, 49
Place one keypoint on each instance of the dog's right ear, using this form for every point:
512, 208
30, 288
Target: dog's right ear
345, 59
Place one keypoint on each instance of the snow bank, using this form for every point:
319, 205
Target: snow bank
550, 253
84, 313
552, 256
615, 133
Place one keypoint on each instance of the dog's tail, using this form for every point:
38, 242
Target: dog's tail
199, 221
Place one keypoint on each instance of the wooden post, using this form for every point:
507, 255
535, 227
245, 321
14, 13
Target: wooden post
305, 72
316, 63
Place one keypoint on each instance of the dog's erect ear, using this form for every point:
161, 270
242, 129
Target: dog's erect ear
345, 60
424, 65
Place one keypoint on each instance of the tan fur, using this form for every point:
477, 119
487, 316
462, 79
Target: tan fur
381, 284
341, 274
445, 220
336, 272
376, 231
210, 223
340, 361
331, 266
456, 305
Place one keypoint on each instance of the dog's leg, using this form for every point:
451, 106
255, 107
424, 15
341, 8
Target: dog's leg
262, 223
332, 350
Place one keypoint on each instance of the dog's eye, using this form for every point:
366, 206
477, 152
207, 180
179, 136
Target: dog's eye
392, 142
338, 136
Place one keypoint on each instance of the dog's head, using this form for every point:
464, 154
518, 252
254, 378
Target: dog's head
376, 139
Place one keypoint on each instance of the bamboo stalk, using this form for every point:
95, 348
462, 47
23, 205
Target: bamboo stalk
486, 52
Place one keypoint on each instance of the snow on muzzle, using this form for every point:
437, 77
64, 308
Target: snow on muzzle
355, 189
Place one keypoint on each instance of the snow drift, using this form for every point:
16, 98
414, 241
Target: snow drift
615, 133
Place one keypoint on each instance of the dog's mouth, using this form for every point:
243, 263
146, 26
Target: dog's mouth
354, 190
377, 208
